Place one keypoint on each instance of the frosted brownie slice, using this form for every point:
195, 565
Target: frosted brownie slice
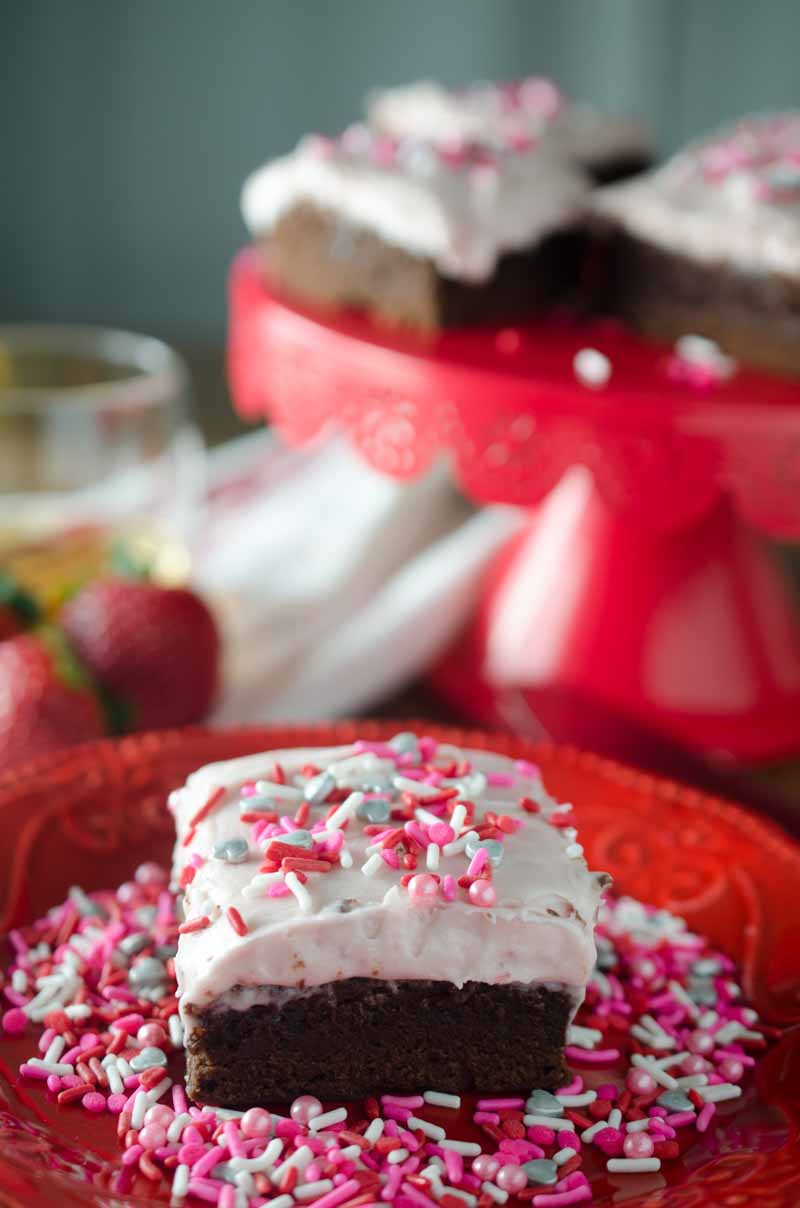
377, 917
522, 113
416, 235
709, 244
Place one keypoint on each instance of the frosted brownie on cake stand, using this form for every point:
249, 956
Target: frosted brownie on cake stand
418, 235
377, 917
710, 244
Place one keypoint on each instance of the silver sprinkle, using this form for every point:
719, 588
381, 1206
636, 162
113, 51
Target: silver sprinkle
376, 810
147, 1059
296, 838
232, 851
147, 972
405, 743
318, 788
134, 943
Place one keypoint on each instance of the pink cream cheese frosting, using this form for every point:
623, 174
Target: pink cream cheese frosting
535, 922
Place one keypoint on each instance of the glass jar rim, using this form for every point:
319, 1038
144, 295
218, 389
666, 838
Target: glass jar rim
156, 372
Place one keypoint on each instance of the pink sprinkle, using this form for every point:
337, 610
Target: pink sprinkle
541, 1135
340, 1194
54, 1084
454, 1165
607, 1091
478, 862
482, 893
412, 1101
593, 1057
418, 833
115, 1104
679, 1119
278, 890
704, 1118
563, 1199
500, 779
390, 857
525, 768
449, 887
486, 1118
209, 1160
132, 1155
94, 1102
15, 1022
572, 1088
178, 1098
416, 1196
395, 1178
441, 833
33, 1071
500, 1104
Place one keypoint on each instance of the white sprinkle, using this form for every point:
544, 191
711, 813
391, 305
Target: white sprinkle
602, 983
671, 1059
345, 811
708, 1019
426, 817
263, 1162
52, 1067
545, 1121
577, 1100
574, 851
496, 1193
338, 1113
351, 1152
155, 1094
591, 368
372, 865
661, 1076
677, 991
115, 1083
719, 1092
140, 1106
653, 1040
281, 1201
692, 1082
374, 1131
300, 1158
432, 853
345, 857
457, 846
177, 1126
467, 1149
583, 1038
278, 792
55, 1049
627, 1166
260, 882
19, 981
638, 1125
228, 1113
300, 892
564, 1155
404, 784
180, 1182
123, 1067
728, 1032
176, 1031
309, 1191
441, 1099
590, 1133
397, 1155
78, 1010
434, 1131
614, 1118
457, 817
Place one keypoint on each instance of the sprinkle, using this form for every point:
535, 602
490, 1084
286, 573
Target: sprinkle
434, 1131
719, 1093
327, 1118
467, 1149
345, 811
591, 368
198, 924
236, 921
633, 1165
214, 798
494, 1192
442, 1099
300, 892
372, 865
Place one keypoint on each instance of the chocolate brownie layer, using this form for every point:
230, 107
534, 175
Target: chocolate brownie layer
320, 259
755, 317
358, 1037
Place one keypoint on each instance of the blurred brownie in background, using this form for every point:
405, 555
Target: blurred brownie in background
709, 243
522, 113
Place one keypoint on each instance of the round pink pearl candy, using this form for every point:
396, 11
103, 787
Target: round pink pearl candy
639, 1082
511, 1179
482, 893
128, 891
638, 1145
423, 889
152, 1136
700, 1041
694, 1064
305, 1108
94, 1102
255, 1122
485, 1166
732, 1069
151, 1035
159, 1113
15, 1021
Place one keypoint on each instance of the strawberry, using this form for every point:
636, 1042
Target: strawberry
47, 700
154, 650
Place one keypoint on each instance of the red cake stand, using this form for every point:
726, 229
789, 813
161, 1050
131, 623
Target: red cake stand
641, 595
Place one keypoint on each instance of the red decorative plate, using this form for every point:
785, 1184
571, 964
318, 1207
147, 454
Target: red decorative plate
92, 814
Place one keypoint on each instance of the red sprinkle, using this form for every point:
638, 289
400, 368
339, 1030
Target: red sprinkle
203, 812
198, 924
236, 921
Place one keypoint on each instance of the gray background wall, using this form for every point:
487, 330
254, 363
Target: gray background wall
131, 123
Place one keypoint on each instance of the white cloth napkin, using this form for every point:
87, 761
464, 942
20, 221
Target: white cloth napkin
334, 584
